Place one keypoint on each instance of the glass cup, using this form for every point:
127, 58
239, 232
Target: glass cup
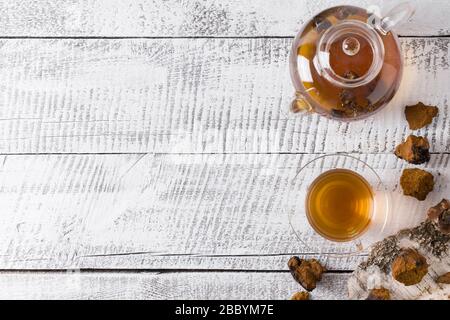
300, 218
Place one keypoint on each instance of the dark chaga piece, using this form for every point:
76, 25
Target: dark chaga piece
348, 106
435, 212
414, 150
420, 115
409, 267
348, 99
350, 75
417, 183
306, 272
301, 295
379, 294
338, 113
445, 278
444, 222
344, 12
440, 214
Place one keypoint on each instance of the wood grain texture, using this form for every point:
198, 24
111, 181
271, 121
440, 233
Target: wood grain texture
192, 96
232, 18
184, 285
170, 211
181, 100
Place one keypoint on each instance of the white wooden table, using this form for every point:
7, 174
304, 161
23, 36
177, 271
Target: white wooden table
143, 145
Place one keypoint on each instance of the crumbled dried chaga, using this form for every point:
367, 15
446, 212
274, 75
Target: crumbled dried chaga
409, 267
379, 294
382, 254
445, 278
420, 115
306, 272
301, 295
417, 183
440, 214
415, 150
349, 105
428, 236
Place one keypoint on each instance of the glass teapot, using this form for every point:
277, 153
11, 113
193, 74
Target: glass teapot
346, 62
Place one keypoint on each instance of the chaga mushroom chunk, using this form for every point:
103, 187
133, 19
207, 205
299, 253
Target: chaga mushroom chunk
301, 295
420, 115
417, 183
409, 267
435, 212
445, 278
415, 150
306, 272
379, 294
351, 75
444, 222
440, 213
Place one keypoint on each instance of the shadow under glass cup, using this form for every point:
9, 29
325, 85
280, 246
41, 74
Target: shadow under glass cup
338, 205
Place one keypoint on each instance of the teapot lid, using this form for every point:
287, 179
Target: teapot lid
354, 42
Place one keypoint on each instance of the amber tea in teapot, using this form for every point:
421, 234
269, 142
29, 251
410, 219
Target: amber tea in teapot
344, 67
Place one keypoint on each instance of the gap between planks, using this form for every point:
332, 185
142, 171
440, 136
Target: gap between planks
158, 271
3, 37
199, 153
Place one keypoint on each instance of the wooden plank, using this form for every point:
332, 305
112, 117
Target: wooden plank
173, 18
184, 285
170, 211
192, 96
215, 262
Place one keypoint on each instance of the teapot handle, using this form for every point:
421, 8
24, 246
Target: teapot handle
299, 105
395, 17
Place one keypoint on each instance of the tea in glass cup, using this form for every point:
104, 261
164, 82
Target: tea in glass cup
339, 204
